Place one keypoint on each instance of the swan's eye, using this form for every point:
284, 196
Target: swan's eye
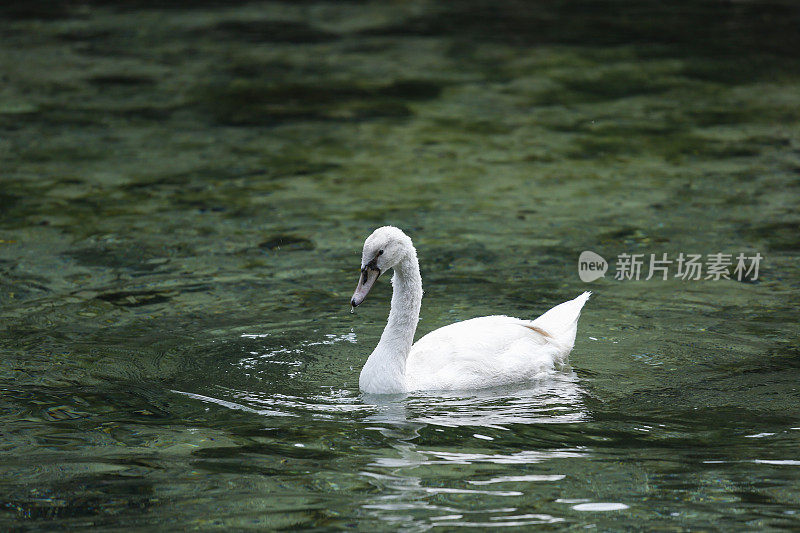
380, 252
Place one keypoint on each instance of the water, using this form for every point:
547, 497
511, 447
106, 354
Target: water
185, 192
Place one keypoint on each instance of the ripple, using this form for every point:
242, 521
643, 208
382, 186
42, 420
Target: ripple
600, 506
515, 479
232, 405
522, 457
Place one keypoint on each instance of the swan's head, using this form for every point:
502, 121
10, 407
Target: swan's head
385, 248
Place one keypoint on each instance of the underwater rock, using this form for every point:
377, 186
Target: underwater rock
123, 80
270, 31
780, 236
287, 243
134, 298
245, 102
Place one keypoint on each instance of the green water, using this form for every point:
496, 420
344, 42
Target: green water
184, 195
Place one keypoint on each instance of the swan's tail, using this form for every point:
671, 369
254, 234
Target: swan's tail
561, 322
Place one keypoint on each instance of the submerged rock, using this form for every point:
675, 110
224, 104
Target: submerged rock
135, 298
287, 243
246, 102
270, 31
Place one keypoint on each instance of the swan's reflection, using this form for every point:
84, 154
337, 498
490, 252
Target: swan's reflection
424, 485
558, 399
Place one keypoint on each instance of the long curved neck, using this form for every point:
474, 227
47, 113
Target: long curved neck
385, 370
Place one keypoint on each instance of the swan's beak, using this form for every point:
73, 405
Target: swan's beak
365, 282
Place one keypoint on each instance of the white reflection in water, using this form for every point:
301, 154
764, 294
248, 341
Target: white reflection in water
531, 477
403, 479
600, 506
272, 355
557, 400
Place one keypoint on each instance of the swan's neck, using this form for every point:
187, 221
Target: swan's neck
385, 370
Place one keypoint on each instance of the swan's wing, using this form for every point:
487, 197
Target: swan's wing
482, 352
494, 350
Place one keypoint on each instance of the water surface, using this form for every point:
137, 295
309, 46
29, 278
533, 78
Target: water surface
185, 192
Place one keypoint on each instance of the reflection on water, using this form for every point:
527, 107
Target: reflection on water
404, 477
184, 191
555, 400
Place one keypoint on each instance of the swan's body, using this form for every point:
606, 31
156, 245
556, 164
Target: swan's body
477, 353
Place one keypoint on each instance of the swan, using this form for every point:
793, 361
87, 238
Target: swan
477, 353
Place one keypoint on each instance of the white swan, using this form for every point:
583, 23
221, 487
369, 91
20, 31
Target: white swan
477, 353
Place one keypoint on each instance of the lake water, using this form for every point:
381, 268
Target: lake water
184, 193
